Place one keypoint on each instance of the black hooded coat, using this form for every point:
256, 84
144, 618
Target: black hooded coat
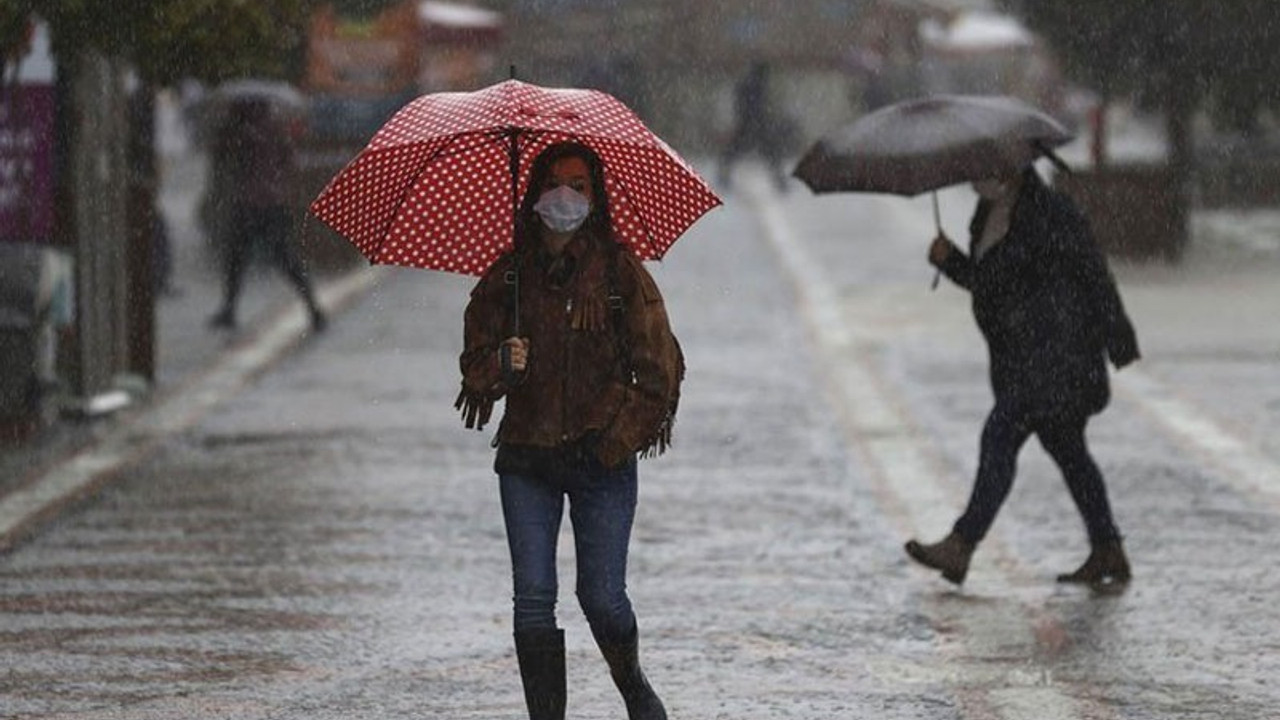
1047, 305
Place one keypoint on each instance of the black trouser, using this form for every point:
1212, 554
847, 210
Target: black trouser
1005, 432
270, 226
745, 139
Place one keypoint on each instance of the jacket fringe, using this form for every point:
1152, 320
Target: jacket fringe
660, 441
662, 438
590, 314
476, 409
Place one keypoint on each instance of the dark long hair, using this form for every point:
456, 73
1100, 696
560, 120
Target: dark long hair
599, 224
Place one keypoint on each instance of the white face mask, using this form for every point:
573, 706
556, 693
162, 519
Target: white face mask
563, 209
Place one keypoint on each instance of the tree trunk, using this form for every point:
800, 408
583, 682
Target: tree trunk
1178, 117
93, 174
142, 234
1098, 139
1179, 111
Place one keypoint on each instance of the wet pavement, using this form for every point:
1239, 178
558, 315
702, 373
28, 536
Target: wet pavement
314, 535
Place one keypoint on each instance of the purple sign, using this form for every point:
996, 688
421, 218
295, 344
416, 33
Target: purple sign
26, 162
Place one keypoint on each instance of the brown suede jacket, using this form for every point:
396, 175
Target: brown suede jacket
574, 385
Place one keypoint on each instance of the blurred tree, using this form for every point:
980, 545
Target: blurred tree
170, 39
362, 8
1178, 55
162, 41
13, 30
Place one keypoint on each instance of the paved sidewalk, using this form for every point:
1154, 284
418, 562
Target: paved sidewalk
1207, 327
1218, 301
40, 475
328, 544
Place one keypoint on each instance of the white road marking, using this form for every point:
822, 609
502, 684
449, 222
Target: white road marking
1241, 464
870, 411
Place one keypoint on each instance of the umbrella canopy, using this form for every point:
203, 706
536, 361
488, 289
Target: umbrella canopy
929, 143
286, 102
437, 186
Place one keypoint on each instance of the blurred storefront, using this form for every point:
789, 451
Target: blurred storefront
76, 312
677, 62
36, 293
989, 53
359, 73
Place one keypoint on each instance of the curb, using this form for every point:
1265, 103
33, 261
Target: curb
86, 470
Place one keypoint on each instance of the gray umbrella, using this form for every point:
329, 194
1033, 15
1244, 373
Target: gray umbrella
929, 143
277, 93
285, 100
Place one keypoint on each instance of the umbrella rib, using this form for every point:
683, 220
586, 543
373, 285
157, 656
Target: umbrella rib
648, 232
386, 236
442, 151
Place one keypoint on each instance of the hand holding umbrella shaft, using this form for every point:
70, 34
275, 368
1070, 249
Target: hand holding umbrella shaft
940, 250
517, 349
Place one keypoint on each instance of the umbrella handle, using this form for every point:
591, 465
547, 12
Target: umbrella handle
937, 223
509, 374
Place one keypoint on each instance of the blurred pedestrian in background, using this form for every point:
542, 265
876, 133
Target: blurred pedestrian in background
1048, 307
591, 379
758, 127
255, 171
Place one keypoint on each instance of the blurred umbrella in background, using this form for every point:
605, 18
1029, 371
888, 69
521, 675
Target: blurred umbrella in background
277, 93
286, 102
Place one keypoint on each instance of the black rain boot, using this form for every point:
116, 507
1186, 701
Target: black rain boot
624, 665
950, 555
541, 657
1106, 565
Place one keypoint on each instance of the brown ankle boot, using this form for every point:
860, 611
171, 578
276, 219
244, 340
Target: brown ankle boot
1106, 565
950, 555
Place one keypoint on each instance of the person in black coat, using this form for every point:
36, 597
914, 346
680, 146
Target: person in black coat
1048, 307
258, 168
758, 127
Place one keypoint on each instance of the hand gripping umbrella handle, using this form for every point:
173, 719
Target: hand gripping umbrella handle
509, 374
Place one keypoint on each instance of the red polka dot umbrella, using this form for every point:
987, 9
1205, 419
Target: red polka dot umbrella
436, 187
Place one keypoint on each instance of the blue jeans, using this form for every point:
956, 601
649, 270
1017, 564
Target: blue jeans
602, 506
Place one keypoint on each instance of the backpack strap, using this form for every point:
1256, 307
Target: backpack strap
661, 439
511, 278
617, 313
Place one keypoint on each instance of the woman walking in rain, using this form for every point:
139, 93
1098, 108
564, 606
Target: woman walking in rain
257, 170
591, 379
1048, 307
